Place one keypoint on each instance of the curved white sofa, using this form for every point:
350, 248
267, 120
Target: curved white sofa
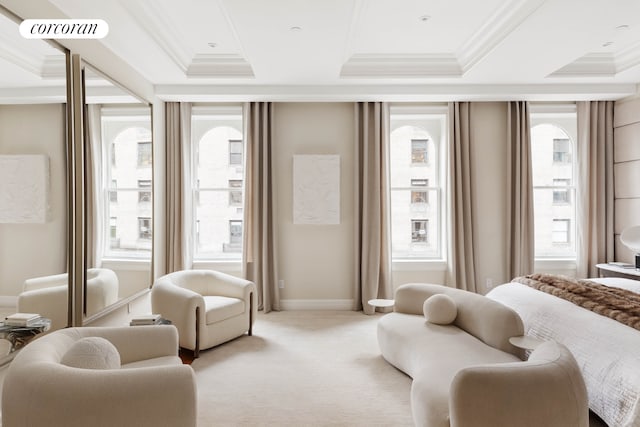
464, 373
150, 388
48, 295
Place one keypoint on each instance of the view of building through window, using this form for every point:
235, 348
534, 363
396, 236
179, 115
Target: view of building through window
218, 177
128, 193
416, 192
553, 162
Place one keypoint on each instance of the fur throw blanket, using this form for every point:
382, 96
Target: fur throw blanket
618, 304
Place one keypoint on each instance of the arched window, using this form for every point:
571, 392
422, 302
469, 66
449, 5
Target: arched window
128, 176
218, 182
415, 182
554, 183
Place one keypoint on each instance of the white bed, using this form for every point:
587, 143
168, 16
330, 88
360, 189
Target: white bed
607, 351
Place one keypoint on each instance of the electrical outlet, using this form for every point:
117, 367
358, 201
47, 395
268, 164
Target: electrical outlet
489, 283
281, 284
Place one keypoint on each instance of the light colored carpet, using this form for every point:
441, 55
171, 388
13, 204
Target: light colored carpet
302, 368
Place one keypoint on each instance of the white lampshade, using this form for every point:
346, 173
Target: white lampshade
630, 237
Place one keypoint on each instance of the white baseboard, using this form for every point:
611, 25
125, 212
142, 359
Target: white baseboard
316, 304
8, 301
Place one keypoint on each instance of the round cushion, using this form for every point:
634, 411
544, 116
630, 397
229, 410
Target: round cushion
440, 309
92, 353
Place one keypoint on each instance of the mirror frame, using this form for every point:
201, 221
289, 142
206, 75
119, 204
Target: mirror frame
75, 183
81, 294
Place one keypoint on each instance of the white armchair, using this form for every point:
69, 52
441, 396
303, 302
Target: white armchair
208, 307
48, 295
147, 387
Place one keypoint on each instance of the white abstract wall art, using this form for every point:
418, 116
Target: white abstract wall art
316, 189
24, 188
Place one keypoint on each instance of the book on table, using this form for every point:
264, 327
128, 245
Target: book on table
22, 319
146, 319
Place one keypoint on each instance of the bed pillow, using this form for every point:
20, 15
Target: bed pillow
440, 309
92, 353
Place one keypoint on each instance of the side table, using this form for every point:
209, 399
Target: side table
628, 271
381, 303
525, 342
19, 336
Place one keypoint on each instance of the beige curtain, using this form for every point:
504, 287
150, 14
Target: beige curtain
372, 217
259, 231
461, 266
94, 185
177, 182
595, 242
521, 243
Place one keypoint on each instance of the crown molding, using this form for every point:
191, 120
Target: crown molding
601, 64
401, 66
590, 65
149, 16
34, 95
392, 93
54, 67
628, 58
219, 66
25, 59
495, 29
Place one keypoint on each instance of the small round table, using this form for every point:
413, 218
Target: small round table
525, 342
381, 303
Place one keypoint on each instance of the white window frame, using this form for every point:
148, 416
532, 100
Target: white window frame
552, 113
436, 158
208, 112
110, 186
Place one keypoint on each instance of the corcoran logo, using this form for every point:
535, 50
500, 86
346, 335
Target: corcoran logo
64, 28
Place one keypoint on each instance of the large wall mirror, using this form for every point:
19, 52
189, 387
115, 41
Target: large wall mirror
118, 190
33, 174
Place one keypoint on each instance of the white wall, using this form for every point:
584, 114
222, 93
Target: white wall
489, 186
315, 261
32, 250
626, 172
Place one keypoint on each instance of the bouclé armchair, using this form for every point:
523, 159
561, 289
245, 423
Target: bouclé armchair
53, 383
208, 307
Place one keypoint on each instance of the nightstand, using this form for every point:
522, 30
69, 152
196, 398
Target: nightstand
628, 271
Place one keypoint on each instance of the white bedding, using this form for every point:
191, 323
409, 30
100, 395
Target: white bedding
607, 351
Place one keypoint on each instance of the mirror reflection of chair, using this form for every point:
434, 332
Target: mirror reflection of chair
208, 307
48, 295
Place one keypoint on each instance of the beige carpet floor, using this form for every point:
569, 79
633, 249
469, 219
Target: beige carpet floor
302, 368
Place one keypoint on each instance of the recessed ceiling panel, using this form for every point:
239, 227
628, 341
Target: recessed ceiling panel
418, 26
292, 41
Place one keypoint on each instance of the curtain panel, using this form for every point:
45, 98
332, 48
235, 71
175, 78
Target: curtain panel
372, 208
461, 269
521, 243
94, 184
178, 234
595, 241
259, 231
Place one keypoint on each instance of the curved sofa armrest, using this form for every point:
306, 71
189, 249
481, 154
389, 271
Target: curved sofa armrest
54, 394
49, 302
102, 291
45, 282
178, 305
410, 297
231, 286
548, 390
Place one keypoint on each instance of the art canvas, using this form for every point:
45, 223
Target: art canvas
316, 189
24, 187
